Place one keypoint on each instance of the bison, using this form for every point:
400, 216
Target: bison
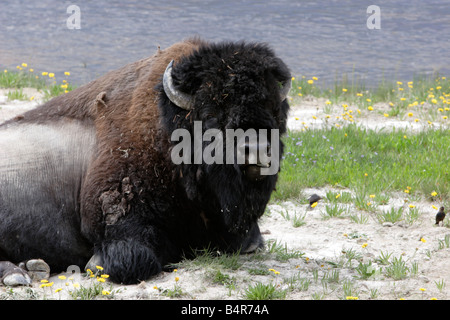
88, 179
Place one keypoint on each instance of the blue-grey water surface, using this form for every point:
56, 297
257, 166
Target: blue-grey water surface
315, 38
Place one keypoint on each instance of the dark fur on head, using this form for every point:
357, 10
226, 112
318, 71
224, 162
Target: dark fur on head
235, 86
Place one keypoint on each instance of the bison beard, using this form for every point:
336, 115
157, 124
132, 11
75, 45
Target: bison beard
101, 187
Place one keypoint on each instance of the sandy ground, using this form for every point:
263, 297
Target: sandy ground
324, 242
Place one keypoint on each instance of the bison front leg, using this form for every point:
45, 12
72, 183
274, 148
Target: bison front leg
126, 261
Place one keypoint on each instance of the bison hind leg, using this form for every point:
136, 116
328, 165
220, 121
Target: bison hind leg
126, 261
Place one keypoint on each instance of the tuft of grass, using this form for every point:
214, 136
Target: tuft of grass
16, 94
281, 252
392, 215
397, 269
208, 258
333, 211
260, 291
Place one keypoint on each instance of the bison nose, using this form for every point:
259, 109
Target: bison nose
257, 154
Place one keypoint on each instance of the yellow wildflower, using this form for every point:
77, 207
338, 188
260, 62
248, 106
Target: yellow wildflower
99, 268
44, 73
410, 114
370, 108
434, 194
62, 277
51, 75
344, 90
24, 65
364, 245
67, 73
423, 240
315, 78
328, 102
310, 81
177, 279
105, 292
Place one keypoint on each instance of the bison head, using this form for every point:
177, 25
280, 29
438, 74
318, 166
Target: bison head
221, 88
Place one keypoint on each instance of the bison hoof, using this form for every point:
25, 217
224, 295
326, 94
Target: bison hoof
93, 262
17, 278
38, 269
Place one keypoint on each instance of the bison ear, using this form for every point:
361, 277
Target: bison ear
180, 99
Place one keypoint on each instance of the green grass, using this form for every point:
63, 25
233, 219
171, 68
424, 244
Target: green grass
261, 291
400, 94
26, 77
364, 160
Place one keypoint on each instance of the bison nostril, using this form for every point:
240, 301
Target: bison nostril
257, 153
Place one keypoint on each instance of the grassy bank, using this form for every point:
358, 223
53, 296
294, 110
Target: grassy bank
27, 77
368, 161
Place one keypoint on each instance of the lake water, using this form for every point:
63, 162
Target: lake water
315, 38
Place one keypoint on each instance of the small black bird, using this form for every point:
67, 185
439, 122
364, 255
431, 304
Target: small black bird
314, 198
440, 215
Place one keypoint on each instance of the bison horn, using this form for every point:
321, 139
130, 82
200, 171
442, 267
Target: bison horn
181, 99
284, 90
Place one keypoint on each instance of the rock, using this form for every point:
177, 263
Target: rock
17, 279
387, 224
